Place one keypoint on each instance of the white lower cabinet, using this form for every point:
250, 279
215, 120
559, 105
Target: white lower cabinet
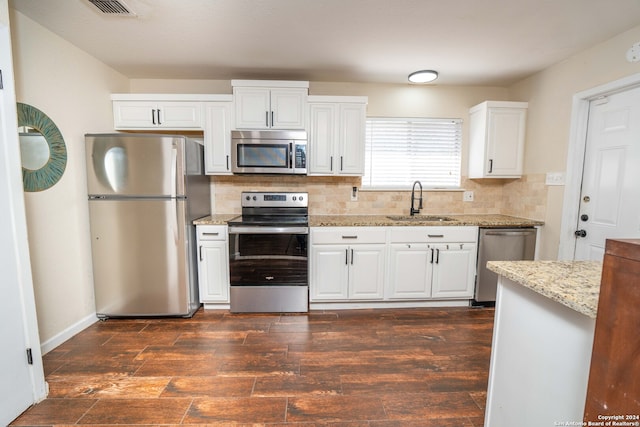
392, 263
454, 271
432, 263
213, 264
410, 271
347, 263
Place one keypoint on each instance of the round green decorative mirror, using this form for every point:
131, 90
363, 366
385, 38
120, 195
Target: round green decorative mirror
42, 148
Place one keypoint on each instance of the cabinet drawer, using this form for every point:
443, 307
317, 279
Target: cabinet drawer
434, 234
211, 232
348, 235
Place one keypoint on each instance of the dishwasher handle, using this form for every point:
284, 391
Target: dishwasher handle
509, 233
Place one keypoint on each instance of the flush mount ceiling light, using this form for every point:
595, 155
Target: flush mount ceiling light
423, 76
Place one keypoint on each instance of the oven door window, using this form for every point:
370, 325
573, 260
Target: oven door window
263, 155
268, 259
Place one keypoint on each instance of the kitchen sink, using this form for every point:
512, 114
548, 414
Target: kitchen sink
418, 218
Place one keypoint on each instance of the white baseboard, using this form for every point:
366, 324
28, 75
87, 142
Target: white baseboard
386, 304
72, 330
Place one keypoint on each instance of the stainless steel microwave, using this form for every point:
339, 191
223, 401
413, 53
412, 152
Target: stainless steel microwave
273, 151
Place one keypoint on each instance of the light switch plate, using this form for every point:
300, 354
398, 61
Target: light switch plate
554, 178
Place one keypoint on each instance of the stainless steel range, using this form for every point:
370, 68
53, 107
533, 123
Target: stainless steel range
268, 261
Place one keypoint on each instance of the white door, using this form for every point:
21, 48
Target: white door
366, 271
454, 272
21, 384
329, 272
610, 198
410, 275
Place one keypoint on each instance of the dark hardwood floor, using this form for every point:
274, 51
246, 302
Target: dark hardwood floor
352, 368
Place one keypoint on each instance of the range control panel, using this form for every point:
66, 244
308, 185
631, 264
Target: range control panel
258, 199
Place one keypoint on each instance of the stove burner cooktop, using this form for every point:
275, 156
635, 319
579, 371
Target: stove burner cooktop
273, 209
270, 220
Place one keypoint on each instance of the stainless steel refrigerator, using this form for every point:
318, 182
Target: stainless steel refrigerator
144, 192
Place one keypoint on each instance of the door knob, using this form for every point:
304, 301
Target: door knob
584, 217
581, 233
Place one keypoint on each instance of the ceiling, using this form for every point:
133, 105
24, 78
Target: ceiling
469, 42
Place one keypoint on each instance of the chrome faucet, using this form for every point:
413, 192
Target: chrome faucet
415, 210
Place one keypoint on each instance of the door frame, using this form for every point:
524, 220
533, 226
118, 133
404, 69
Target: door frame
19, 246
576, 154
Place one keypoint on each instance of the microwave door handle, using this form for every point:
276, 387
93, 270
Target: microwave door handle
291, 155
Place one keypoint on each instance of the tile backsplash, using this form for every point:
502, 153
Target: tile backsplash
525, 197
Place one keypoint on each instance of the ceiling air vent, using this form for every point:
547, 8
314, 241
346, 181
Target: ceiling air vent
113, 7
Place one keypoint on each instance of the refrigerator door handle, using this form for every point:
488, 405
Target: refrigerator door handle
174, 191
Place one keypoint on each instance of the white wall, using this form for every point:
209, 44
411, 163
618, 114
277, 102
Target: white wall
550, 95
73, 89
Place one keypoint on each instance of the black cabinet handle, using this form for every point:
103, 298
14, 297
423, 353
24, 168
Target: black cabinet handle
266, 119
437, 256
153, 116
490, 165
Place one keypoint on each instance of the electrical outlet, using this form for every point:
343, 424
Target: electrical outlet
354, 194
554, 178
467, 196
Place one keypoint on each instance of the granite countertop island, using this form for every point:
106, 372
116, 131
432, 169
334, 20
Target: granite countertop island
574, 284
396, 220
542, 340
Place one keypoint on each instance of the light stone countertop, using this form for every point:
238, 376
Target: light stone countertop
420, 220
218, 219
574, 284
384, 221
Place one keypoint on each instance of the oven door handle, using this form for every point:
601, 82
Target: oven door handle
268, 230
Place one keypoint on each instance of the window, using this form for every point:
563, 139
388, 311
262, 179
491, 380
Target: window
401, 151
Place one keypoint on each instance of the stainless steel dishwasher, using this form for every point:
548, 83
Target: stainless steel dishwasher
500, 244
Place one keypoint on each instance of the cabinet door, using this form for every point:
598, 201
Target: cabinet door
253, 108
505, 139
454, 270
410, 271
213, 271
288, 108
329, 273
351, 139
217, 138
134, 115
180, 115
366, 271
153, 115
323, 133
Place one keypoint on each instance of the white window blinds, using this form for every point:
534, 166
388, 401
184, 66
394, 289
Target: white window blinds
401, 151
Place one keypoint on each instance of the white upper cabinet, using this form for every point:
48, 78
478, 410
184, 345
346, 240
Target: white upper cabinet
160, 111
217, 137
270, 104
336, 135
496, 139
